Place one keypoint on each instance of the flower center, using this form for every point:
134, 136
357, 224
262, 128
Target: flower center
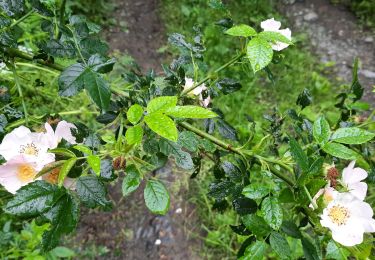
26, 173
53, 176
339, 214
29, 149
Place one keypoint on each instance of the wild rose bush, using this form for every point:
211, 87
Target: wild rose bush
284, 181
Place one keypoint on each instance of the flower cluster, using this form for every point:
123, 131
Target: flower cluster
197, 92
26, 153
345, 213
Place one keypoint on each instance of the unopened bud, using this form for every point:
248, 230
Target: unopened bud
119, 163
332, 174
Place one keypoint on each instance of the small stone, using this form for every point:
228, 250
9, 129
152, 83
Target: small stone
368, 74
310, 16
341, 33
179, 211
369, 39
157, 242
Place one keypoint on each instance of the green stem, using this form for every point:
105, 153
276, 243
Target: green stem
21, 19
232, 61
229, 147
20, 93
30, 65
77, 46
368, 120
309, 196
20, 54
62, 16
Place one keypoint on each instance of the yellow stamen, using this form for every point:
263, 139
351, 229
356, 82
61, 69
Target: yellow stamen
29, 149
26, 173
339, 214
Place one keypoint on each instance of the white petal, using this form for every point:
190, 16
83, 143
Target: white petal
63, 131
11, 143
358, 189
270, 25
205, 102
361, 209
50, 136
350, 235
352, 175
11, 184
286, 32
368, 225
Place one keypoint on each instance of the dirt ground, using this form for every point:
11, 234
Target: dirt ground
336, 36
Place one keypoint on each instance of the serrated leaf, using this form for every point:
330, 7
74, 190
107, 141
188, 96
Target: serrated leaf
244, 206
334, 251
280, 245
274, 37
57, 48
98, 89
340, 151
63, 217
232, 171
304, 98
82, 148
259, 52
91, 191
161, 104
255, 251
106, 170
299, 155
290, 228
256, 225
134, 134
352, 135
94, 162
255, 191
100, 64
65, 169
228, 85
33, 199
71, 80
241, 30
189, 140
309, 249
156, 197
131, 181
272, 212
321, 130
190, 112
134, 113
162, 125
63, 152
220, 190
182, 158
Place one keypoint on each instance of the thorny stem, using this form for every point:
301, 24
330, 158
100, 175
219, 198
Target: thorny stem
230, 148
208, 77
20, 93
21, 19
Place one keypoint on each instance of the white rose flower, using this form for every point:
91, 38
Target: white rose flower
271, 25
21, 141
197, 91
63, 131
352, 177
348, 218
17, 172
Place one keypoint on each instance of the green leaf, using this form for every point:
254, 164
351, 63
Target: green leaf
33, 199
274, 37
221, 189
352, 135
161, 104
280, 245
241, 30
190, 112
63, 217
63, 252
189, 140
299, 155
98, 89
49, 167
272, 212
260, 53
255, 251
183, 159
131, 181
256, 225
334, 251
228, 85
309, 249
63, 152
71, 80
232, 171
134, 134
290, 228
255, 191
91, 191
304, 98
134, 113
162, 125
156, 197
83, 148
12, 7
100, 64
340, 151
94, 162
63, 49
65, 169
321, 130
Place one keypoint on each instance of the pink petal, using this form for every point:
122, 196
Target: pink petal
270, 25
352, 175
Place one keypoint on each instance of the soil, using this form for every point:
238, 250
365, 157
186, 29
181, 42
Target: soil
336, 35
130, 231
